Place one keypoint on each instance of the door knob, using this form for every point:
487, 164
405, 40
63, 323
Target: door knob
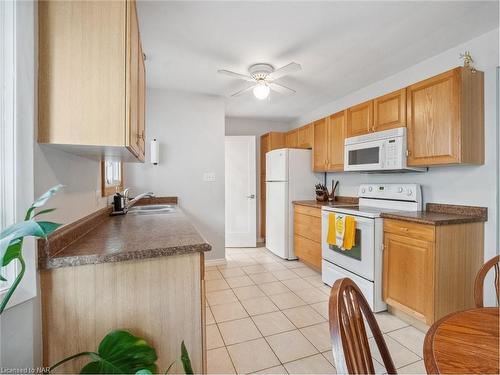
252, 196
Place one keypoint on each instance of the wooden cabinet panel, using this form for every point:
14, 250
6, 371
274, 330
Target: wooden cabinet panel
445, 119
409, 275
307, 226
81, 80
292, 139
320, 150
264, 149
161, 299
306, 210
307, 235
336, 137
389, 111
90, 94
276, 140
306, 135
142, 106
433, 120
360, 119
428, 270
405, 228
133, 84
308, 251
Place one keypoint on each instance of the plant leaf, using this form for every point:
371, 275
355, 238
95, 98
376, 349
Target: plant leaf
22, 229
186, 362
16, 231
44, 212
48, 227
2, 278
42, 200
120, 352
12, 252
46, 196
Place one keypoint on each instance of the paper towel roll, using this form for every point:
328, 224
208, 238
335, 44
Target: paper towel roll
155, 151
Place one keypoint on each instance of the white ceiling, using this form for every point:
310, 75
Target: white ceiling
342, 46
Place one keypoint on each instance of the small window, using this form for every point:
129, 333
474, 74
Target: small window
111, 177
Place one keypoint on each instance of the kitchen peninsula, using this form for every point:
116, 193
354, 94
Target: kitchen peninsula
143, 272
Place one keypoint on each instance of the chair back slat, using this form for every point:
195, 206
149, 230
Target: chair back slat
351, 350
479, 282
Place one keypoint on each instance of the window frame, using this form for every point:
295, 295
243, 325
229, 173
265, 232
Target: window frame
8, 142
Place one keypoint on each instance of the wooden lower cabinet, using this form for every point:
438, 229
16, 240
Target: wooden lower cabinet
429, 271
307, 235
160, 299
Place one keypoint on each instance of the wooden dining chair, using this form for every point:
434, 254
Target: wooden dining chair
479, 283
351, 350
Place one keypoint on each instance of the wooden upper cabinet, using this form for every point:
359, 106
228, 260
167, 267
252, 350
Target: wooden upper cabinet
88, 77
389, 111
320, 151
142, 104
360, 119
292, 139
133, 139
336, 137
276, 140
306, 135
445, 119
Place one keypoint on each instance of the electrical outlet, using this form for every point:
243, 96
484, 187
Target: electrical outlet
209, 177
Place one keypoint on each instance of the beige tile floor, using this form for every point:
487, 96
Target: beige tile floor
269, 316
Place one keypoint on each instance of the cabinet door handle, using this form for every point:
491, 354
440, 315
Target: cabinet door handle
404, 229
251, 196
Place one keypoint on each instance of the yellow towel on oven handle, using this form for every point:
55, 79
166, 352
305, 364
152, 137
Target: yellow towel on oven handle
350, 232
331, 238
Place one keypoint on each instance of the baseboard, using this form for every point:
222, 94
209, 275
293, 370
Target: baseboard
215, 262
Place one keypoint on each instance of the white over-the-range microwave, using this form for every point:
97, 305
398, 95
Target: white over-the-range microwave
383, 151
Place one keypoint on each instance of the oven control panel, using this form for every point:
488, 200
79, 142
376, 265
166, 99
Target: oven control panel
402, 192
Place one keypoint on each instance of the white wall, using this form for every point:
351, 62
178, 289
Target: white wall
80, 176
190, 131
256, 127
466, 185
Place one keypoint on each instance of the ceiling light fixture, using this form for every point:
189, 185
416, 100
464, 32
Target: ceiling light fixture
261, 91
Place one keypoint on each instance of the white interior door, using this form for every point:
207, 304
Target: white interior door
241, 188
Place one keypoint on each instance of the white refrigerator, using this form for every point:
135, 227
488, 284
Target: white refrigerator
289, 178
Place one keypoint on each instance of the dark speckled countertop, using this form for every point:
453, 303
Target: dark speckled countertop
441, 214
127, 237
340, 201
434, 214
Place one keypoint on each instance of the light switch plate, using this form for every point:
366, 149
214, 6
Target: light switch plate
209, 177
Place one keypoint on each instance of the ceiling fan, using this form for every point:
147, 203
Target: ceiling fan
263, 78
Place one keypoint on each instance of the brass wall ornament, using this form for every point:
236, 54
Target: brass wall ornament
468, 61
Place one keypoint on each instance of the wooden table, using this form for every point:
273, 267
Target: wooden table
465, 342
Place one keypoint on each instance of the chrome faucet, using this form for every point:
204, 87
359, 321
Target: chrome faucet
130, 202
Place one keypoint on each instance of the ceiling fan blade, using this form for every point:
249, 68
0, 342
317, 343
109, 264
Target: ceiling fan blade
246, 89
281, 89
235, 75
284, 70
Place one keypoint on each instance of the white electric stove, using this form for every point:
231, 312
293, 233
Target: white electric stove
363, 263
